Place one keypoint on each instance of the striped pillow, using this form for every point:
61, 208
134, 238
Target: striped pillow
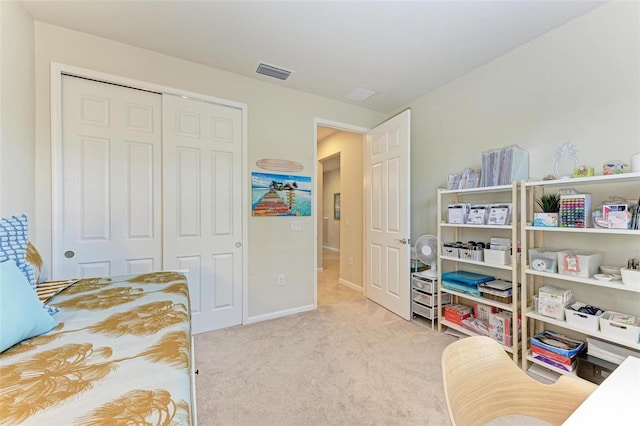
14, 235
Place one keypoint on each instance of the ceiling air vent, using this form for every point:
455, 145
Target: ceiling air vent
271, 71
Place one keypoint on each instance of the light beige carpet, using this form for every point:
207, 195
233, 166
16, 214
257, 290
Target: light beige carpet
353, 363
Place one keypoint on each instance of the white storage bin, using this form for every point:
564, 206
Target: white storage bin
424, 311
470, 254
621, 326
579, 263
429, 299
499, 257
581, 319
630, 277
423, 285
450, 251
544, 259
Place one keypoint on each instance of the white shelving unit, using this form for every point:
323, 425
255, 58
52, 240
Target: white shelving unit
466, 232
617, 244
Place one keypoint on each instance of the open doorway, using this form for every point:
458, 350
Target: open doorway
340, 208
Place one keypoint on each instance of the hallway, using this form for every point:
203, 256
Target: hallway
330, 291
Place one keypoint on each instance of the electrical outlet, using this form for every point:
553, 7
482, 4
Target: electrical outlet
350, 261
296, 225
280, 279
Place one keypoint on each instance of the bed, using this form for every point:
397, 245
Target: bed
121, 354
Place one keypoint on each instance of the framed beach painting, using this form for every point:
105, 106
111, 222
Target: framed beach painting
280, 195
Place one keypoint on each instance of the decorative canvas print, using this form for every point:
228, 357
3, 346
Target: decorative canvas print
280, 195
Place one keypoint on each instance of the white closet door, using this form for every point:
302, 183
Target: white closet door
203, 206
111, 162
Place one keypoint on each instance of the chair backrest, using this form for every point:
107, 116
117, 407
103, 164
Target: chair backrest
481, 383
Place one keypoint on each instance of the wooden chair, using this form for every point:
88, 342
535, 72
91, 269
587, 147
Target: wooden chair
481, 383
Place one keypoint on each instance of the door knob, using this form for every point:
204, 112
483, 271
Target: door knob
69, 254
238, 244
403, 241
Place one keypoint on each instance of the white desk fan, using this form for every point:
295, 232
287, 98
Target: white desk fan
427, 252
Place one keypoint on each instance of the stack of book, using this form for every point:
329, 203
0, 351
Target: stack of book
557, 351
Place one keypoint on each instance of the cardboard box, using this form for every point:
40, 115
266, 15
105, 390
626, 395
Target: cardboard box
501, 328
457, 312
482, 311
558, 343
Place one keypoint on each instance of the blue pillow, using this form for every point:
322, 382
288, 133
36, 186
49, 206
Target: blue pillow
14, 236
22, 314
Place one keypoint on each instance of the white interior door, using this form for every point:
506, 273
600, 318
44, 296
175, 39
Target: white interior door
387, 210
111, 159
203, 206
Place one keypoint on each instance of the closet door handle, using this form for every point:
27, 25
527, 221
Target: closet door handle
69, 254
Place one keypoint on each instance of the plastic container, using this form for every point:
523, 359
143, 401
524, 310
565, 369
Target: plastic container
621, 326
551, 301
449, 251
581, 319
544, 259
579, 263
424, 285
630, 277
498, 257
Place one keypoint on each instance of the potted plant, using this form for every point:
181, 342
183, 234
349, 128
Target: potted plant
550, 205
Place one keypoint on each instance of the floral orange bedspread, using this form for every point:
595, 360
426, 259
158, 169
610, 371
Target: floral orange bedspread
121, 354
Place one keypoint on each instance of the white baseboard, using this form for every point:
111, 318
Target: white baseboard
279, 314
349, 284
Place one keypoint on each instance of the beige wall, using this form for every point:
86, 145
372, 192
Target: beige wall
351, 148
577, 83
331, 186
17, 112
280, 125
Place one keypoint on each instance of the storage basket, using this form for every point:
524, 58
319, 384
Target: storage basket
622, 326
581, 319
